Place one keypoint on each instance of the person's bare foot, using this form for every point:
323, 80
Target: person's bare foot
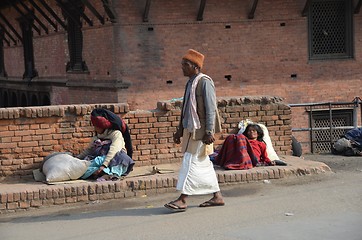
215, 201
176, 205
179, 203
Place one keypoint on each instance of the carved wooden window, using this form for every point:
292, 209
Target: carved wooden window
29, 64
2, 62
330, 29
72, 13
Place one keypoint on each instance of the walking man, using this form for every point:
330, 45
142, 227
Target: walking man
198, 123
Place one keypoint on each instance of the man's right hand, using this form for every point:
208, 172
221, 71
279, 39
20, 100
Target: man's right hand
177, 137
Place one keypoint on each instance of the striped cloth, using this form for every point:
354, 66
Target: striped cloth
236, 153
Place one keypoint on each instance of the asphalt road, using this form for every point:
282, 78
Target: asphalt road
323, 206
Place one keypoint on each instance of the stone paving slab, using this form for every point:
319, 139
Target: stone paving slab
142, 181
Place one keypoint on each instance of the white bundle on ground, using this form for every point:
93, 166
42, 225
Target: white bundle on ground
63, 167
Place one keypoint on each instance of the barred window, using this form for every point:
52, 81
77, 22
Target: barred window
322, 138
330, 29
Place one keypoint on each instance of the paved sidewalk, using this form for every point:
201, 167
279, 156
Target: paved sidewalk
148, 180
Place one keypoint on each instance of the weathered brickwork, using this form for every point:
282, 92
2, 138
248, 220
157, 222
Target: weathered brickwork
243, 56
28, 134
138, 62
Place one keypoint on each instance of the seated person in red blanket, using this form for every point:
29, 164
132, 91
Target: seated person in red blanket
255, 135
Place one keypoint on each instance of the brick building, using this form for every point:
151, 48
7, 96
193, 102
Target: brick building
88, 51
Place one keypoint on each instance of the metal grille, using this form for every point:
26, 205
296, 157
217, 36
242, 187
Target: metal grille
330, 29
321, 139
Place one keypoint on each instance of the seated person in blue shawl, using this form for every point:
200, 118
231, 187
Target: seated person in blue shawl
110, 150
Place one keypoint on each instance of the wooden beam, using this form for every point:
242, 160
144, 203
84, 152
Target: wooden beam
108, 7
34, 16
81, 13
93, 10
252, 11
200, 14
306, 8
358, 7
11, 27
43, 14
24, 15
54, 15
147, 10
2, 35
66, 11
7, 41
7, 33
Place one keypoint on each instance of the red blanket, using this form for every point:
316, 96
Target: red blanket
236, 153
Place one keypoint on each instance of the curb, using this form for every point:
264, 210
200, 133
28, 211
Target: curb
25, 196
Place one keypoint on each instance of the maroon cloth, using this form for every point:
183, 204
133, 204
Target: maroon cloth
236, 153
259, 150
101, 122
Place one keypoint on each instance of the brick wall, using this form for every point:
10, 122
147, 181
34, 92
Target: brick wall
28, 134
259, 54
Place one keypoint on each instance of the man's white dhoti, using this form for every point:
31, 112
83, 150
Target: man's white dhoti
197, 175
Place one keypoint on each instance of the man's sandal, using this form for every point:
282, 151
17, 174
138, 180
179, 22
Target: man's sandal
174, 207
